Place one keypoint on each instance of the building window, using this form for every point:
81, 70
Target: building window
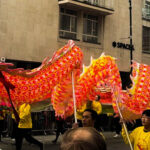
90, 28
146, 39
68, 24
146, 10
147, 7
93, 2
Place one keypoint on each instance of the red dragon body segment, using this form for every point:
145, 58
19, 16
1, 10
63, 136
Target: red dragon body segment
53, 79
137, 98
101, 71
39, 86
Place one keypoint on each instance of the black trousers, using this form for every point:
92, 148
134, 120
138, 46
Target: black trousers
117, 125
60, 128
1, 127
13, 129
22, 133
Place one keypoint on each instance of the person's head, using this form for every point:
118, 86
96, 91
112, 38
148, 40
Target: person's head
97, 98
146, 118
83, 138
88, 118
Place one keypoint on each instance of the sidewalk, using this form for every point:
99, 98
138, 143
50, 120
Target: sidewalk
112, 143
8, 144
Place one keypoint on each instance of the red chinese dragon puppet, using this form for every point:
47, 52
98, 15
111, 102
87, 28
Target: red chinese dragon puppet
53, 79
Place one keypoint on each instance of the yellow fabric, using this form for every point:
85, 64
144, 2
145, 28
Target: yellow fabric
2, 115
80, 112
95, 106
109, 114
13, 116
139, 138
25, 116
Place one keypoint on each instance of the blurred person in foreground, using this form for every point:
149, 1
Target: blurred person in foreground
83, 138
140, 136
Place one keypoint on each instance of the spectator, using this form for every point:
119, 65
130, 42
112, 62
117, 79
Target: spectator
140, 136
83, 138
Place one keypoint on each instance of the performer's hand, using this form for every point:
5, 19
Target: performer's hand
75, 125
122, 121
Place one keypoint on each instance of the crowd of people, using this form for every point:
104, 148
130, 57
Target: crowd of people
83, 135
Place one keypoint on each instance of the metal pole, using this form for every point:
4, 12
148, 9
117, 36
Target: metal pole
131, 45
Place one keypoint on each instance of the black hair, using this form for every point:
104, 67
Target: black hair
98, 97
146, 112
93, 113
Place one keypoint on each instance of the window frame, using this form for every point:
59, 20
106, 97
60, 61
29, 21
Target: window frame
72, 18
147, 7
94, 21
146, 35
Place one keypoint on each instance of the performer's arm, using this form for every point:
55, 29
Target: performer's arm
131, 135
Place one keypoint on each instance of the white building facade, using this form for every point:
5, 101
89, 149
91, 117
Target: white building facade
30, 30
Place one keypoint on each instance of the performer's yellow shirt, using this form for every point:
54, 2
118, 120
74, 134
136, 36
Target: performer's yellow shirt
13, 116
97, 107
80, 112
25, 116
139, 138
2, 115
1, 118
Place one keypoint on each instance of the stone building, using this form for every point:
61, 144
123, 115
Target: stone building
30, 30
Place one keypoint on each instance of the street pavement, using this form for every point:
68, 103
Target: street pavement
112, 143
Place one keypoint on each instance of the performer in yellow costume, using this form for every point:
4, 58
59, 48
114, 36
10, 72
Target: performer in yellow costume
140, 136
24, 127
